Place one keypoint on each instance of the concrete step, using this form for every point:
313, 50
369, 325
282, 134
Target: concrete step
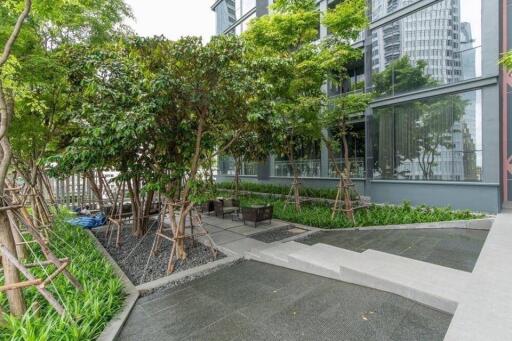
277, 254
321, 259
433, 285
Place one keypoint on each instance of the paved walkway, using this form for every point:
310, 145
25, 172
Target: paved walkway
453, 248
235, 237
256, 301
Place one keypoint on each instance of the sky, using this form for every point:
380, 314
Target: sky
173, 18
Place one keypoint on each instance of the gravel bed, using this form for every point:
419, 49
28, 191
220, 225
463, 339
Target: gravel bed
133, 261
279, 233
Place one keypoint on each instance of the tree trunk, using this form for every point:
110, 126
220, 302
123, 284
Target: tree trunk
346, 174
14, 296
133, 188
147, 208
296, 174
95, 188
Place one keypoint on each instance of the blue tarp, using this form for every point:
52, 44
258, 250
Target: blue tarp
89, 222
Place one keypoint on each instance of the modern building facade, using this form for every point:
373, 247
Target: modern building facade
440, 130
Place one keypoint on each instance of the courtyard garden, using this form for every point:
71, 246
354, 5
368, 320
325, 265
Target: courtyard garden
121, 134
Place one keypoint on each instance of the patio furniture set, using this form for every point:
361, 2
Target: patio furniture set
248, 214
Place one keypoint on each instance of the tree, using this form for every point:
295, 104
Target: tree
15, 297
205, 94
158, 111
337, 118
42, 125
114, 110
506, 60
297, 66
284, 41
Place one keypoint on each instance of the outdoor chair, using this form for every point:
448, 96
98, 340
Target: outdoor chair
226, 206
208, 207
257, 214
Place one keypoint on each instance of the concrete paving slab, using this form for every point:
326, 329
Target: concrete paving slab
484, 309
244, 245
224, 237
225, 223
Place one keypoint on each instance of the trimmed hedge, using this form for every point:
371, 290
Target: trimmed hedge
88, 311
323, 193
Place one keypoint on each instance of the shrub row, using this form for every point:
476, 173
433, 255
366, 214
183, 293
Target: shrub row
319, 215
323, 193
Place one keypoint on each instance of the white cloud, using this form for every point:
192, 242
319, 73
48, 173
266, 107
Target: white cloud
173, 18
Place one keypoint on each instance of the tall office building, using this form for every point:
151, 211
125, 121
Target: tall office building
439, 137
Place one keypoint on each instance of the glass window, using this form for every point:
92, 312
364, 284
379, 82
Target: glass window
307, 160
438, 138
381, 8
226, 15
356, 151
437, 45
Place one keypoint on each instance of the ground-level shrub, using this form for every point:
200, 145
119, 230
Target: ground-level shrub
323, 193
88, 311
319, 215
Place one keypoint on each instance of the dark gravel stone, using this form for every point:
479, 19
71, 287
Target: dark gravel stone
134, 253
276, 234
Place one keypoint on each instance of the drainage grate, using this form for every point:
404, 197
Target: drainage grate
279, 233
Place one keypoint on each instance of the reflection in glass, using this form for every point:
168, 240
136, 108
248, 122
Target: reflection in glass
437, 45
437, 138
381, 8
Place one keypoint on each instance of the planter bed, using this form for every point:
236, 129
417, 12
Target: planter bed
318, 215
89, 311
134, 262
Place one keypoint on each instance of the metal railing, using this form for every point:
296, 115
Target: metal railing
357, 167
307, 168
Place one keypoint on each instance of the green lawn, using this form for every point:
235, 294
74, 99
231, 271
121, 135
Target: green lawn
319, 215
88, 311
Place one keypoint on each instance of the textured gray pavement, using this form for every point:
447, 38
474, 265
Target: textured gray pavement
256, 301
454, 248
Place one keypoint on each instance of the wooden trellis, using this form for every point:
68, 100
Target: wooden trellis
18, 212
195, 231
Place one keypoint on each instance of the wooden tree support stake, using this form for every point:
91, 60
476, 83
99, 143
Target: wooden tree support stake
45, 293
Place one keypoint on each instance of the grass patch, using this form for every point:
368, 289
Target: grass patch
319, 215
88, 311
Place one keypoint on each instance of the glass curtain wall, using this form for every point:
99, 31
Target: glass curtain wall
438, 45
437, 138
